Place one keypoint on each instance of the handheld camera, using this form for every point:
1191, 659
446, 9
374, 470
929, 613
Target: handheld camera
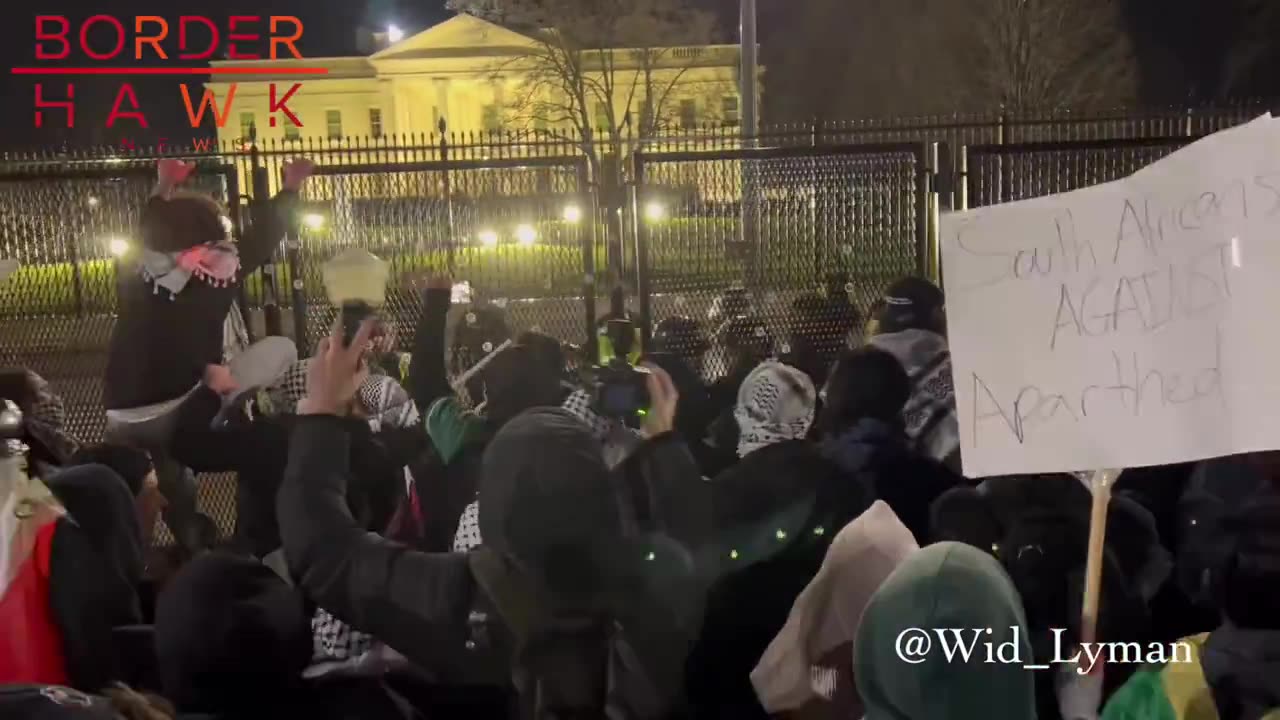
621, 389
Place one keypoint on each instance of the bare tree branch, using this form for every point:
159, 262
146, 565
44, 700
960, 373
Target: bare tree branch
599, 54
910, 57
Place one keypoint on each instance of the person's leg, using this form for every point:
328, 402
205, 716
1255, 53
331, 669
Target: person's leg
176, 483
256, 452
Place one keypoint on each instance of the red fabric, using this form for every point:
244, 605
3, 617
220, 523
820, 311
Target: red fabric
31, 644
406, 523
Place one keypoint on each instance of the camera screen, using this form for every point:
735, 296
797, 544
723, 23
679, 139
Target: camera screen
619, 399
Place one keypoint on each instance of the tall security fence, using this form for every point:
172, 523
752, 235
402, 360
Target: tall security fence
991, 174
517, 230
544, 228
784, 224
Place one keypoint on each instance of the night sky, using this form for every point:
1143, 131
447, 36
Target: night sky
1175, 38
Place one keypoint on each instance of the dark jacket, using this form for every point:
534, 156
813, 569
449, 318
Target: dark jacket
94, 567
161, 344
907, 481
425, 605
417, 602
776, 511
100, 503
445, 483
694, 413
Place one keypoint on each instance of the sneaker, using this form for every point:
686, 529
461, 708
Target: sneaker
243, 410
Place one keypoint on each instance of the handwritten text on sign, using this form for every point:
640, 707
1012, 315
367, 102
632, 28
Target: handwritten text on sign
1126, 324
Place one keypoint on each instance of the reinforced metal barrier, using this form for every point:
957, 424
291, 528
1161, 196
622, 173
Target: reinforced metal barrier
787, 225
522, 232
990, 174
795, 224
67, 224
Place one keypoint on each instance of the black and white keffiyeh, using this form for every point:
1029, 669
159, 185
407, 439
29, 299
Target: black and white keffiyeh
467, 537
284, 394
387, 404
775, 403
334, 640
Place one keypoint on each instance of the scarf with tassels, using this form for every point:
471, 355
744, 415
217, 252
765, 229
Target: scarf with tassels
216, 264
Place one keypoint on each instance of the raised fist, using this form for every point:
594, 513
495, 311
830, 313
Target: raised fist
296, 173
174, 172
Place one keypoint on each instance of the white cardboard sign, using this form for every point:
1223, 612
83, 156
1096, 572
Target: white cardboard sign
1127, 324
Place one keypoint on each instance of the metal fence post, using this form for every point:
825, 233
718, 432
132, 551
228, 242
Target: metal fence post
962, 178
642, 252
443, 126
590, 213
260, 194
935, 211
924, 192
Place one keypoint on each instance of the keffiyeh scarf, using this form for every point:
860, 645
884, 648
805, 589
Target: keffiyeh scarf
775, 404
46, 421
930, 412
216, 264
618, 439
387, 403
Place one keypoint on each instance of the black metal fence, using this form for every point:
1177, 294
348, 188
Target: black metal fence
539, 231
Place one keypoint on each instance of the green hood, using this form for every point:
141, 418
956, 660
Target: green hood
946, 585
452, 427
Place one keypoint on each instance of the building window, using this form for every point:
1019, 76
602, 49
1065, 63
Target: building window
688, 114
602, 116
435, 118
730, 110
491, 118
292, 132
540, 124
375, 122
333, 124
247, 126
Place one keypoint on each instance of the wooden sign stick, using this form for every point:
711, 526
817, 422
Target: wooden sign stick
1100, 485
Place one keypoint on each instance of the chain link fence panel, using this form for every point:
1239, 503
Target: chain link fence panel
1007, 173
520, 233
72, 229
802, 234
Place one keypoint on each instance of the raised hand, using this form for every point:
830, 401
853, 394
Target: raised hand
429, 280
174, 172
336, 371
296, 173
663, 399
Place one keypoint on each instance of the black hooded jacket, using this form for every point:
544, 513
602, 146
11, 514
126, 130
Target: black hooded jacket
775, 514
95, 563
161, 344
420, 603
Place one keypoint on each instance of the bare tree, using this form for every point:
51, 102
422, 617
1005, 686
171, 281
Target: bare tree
1044, 54
1251, 47
605, 70
864, 58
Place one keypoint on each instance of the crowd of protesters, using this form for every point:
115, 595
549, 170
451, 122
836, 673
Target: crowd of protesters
459, 528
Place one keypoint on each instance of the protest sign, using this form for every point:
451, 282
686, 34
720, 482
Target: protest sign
1125, 324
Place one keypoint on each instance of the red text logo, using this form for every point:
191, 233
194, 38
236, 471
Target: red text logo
105, 40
